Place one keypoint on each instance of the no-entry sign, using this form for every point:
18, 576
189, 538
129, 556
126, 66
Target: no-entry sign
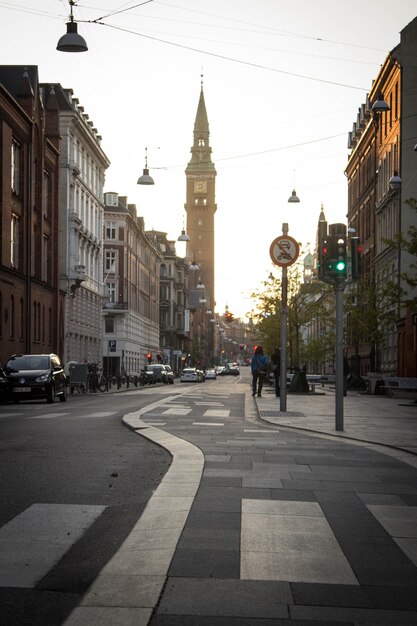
284, 251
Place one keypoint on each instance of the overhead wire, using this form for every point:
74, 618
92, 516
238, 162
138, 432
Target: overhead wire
226, 58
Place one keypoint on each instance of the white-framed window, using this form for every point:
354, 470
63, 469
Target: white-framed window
110, 261
45, 259
111, 199
110, 230
111, 291
46, 194
14, 241
15, 167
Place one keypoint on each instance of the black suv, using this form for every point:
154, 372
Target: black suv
36, 376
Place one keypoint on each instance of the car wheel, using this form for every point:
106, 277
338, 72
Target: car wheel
51, 395
63, 396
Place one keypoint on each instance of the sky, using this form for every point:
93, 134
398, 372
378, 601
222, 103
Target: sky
283, 82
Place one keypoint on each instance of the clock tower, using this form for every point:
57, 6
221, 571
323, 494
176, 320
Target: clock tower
200, 202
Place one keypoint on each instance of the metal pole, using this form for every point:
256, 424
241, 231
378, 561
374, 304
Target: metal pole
284, 315
339, 287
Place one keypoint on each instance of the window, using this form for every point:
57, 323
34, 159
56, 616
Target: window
14, 241
50, 325
12, 317
45, 259
110, 230
22, 320
112, 291
46, 194
110, 261
15, 167
109, 324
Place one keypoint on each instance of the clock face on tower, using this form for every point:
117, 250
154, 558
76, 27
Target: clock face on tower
200, 186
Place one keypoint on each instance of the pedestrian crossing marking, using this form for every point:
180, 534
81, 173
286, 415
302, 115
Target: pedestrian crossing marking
217, 413
207, 424
34, 541
176, 411
209, 403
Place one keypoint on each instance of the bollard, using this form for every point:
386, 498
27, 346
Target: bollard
127, 382
119, 382
135, 380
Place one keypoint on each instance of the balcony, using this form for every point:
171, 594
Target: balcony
115, 306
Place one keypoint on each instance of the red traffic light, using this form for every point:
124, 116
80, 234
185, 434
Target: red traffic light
149, 357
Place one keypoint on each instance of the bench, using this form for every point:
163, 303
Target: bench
400, 387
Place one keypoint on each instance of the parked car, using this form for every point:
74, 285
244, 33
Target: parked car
36, 376
169, 374
190, 375
211, 374
163, 373
159, 370
230, 371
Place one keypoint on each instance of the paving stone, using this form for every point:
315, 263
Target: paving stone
226, 598
205, 563
206, 539
213, 520
331, 595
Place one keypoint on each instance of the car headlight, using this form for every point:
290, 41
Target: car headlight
43, 378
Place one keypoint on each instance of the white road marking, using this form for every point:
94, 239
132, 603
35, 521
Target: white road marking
176, 411
34, 541
217, 413
46, 416
207, 424
209, 403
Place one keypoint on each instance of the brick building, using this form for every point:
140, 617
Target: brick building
31, 303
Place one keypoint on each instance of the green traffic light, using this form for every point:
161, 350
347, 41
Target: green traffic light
340, 266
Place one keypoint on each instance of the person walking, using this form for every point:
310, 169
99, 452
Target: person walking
276, 368
259, 367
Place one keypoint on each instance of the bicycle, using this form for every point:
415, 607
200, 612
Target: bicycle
96, 379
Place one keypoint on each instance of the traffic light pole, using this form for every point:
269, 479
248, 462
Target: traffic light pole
338, 289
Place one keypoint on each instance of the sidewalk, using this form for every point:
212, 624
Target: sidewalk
267, 522
373, 419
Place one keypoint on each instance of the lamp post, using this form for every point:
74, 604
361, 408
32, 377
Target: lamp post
379, 107
146, 179
71, 41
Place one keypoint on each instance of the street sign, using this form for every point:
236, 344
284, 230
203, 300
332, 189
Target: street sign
112, 345
284, 251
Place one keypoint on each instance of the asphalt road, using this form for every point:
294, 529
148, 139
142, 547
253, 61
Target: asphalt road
69, 468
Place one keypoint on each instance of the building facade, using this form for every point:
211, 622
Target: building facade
131, 289
381, 182
173, 302
31, 303
81, 210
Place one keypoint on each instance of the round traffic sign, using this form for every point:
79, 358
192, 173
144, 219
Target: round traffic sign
284, 251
